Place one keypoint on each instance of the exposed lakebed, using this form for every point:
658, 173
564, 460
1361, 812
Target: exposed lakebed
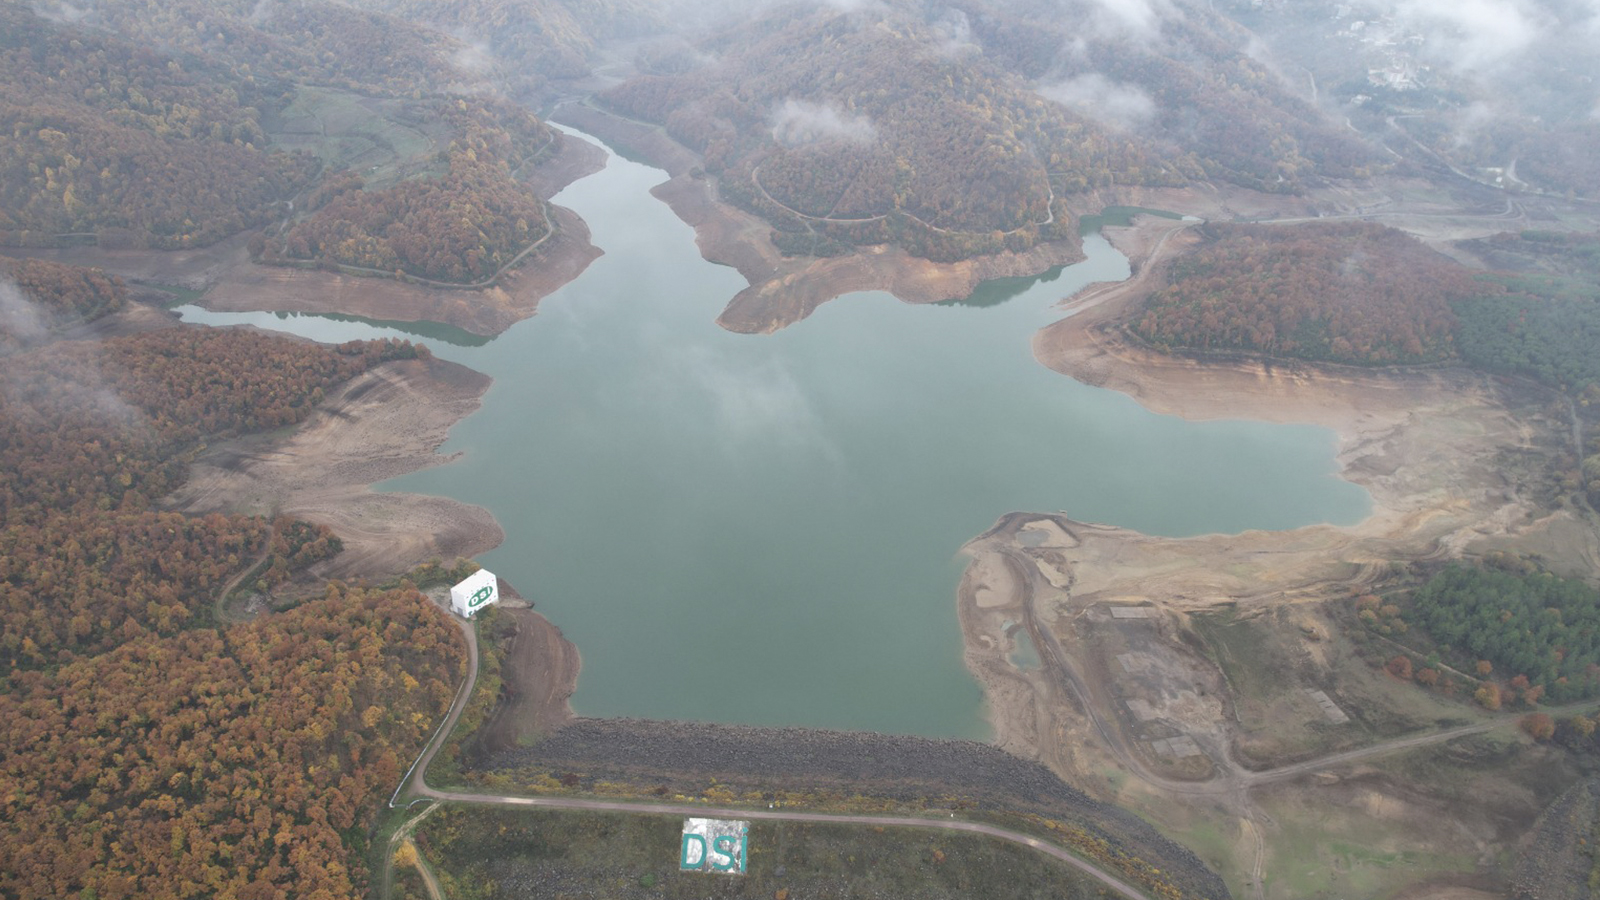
763, 529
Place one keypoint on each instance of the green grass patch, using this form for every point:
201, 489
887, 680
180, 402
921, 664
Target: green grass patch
383, 141
180, 296
1349, 854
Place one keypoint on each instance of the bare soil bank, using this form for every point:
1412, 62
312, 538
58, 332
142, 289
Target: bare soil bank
381, 424
686, 755
784, 290
538, 673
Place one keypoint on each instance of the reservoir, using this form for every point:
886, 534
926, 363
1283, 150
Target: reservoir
764, 529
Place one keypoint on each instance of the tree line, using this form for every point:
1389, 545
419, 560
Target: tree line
1537, 632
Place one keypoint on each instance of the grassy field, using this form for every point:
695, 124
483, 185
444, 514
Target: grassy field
1377, 828
1271, 662
380, 140
485, 853
1333, 852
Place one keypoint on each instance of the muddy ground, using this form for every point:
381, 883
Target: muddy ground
539, 672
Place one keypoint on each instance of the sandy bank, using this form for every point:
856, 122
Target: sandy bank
784, 290
379, 425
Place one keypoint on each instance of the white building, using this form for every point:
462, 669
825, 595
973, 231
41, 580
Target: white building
474, 592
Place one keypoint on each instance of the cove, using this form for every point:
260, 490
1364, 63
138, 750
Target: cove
763, 529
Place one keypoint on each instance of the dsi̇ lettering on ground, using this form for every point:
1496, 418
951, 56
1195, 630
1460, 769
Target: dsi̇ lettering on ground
714, 845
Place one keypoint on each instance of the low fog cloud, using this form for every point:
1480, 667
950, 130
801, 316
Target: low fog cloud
59, 12
19, 318
1474, 35
954, 31
799, 122
472, 57
79, 390
853, 5
261, 12
1471, 121
1097, 97
1131, 18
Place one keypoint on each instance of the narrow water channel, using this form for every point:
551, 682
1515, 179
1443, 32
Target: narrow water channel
764, 529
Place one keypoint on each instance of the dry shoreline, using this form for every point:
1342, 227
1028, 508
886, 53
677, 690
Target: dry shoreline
247, 287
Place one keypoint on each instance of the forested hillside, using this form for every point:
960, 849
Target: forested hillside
852, 125
155, 124
948, 130
144, 750
242, 762
461, 226
1352, 293
1184, 79
1545, 324
90, 434
102, 136
541, 38
319, 41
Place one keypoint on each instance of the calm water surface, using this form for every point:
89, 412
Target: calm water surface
764, 529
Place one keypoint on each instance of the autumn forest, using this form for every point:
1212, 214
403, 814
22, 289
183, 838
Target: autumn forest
253, 774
